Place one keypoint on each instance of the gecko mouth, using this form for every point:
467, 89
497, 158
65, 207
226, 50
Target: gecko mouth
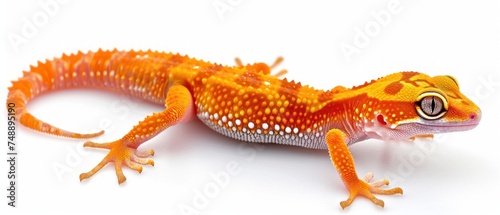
470, 123
454, 126
438, 127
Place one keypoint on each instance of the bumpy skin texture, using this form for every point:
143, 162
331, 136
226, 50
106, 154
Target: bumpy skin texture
246, 102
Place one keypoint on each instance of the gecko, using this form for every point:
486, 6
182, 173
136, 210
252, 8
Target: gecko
248, 103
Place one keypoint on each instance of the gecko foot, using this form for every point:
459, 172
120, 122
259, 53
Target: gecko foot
362, 187
120, 154
264, 67
422, 136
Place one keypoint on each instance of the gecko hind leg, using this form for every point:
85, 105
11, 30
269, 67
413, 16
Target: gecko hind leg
266, 69
123, 152
276, 63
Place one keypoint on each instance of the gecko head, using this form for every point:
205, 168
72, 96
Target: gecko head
416, 104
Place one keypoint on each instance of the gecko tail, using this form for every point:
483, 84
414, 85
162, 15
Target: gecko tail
32, 122
16, 103
101, 69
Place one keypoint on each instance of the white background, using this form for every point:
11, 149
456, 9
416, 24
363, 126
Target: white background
454, 173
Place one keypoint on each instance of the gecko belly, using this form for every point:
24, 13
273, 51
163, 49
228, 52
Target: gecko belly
263, 133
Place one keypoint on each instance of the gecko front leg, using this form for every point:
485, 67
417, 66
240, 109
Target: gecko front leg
123, 152
344, 163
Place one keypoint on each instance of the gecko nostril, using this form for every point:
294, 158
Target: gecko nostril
475, 116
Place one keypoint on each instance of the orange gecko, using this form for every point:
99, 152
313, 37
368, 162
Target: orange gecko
247, 103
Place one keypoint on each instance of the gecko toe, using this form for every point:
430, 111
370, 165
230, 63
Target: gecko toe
133, 165
392, 191
142, 160
91, 144
144, 154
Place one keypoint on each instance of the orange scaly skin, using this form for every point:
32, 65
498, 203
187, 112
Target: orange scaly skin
245, 102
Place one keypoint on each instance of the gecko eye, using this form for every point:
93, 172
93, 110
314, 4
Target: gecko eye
431, 105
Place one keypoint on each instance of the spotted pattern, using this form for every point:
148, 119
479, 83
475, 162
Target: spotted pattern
248, 104
243, 102
272, 113
393, 88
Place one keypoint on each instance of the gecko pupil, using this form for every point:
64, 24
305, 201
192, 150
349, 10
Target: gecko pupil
433, 105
